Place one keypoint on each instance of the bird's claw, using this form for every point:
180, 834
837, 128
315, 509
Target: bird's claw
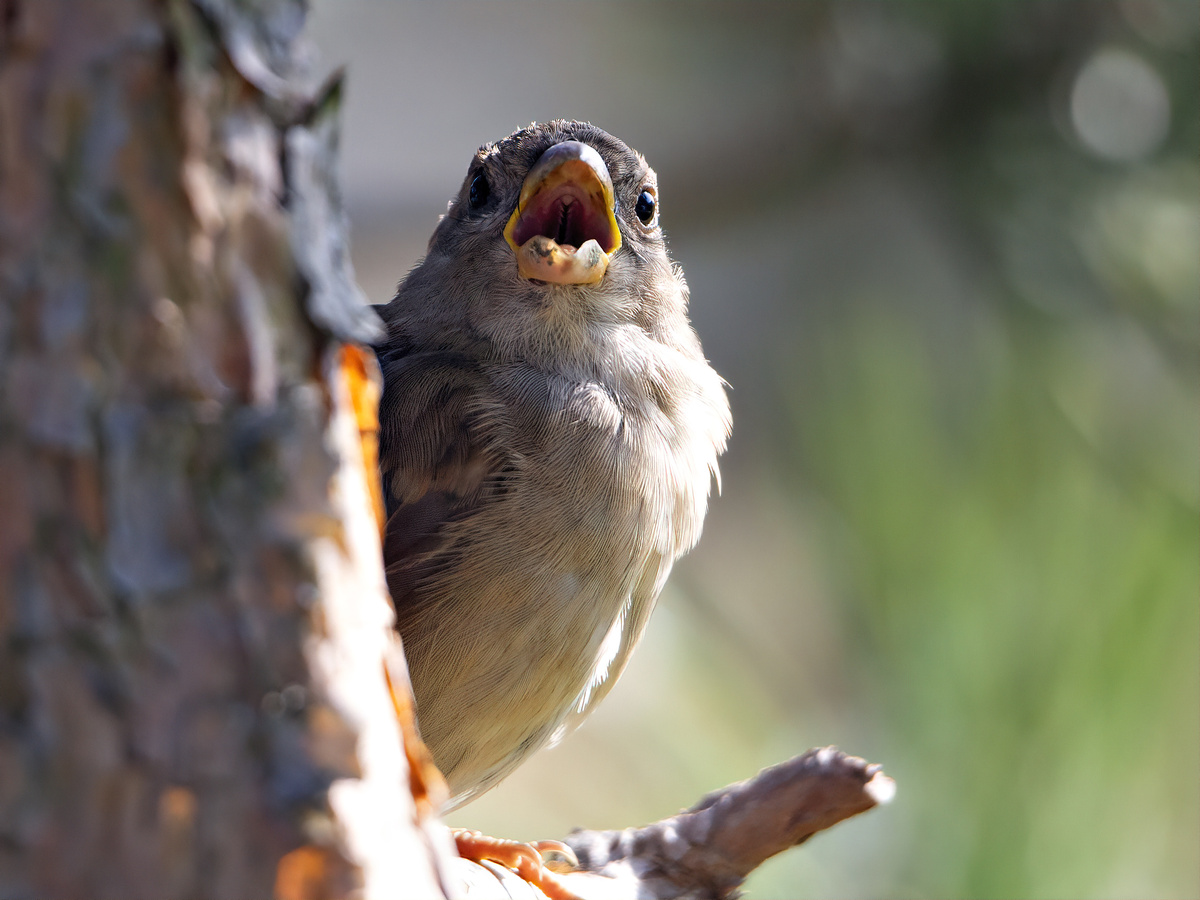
556, 856
540, 863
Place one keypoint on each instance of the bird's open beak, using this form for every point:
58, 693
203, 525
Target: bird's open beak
564, 229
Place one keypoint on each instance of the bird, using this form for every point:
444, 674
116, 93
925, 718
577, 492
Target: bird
549, 437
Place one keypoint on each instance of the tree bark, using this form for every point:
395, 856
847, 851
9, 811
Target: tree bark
195, 640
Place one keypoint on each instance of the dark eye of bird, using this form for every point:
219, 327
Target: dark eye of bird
645, 207
479, 191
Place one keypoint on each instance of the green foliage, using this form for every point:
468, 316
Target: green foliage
1023, 605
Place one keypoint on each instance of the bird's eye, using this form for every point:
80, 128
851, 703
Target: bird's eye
646, 205
479, 191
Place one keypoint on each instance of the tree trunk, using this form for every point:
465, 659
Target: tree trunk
195, 640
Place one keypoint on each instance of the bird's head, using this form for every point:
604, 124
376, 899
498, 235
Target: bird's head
554, 229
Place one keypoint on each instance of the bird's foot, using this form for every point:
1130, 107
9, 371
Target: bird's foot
539, 863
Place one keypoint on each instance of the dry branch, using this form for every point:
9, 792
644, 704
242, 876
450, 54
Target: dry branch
707, 851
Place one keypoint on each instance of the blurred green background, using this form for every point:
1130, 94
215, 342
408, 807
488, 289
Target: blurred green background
948, 257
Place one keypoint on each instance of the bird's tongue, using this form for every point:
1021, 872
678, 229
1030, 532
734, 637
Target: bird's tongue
564, 230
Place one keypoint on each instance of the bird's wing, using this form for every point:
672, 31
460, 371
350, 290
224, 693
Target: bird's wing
436, 465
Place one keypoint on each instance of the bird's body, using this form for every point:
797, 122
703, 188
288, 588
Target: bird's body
547, 446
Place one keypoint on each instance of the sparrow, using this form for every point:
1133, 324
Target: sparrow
549, 434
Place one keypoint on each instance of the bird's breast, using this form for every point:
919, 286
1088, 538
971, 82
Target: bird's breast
604, 486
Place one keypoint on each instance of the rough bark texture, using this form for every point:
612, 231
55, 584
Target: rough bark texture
193, 624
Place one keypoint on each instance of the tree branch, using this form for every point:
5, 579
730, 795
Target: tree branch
707, 851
